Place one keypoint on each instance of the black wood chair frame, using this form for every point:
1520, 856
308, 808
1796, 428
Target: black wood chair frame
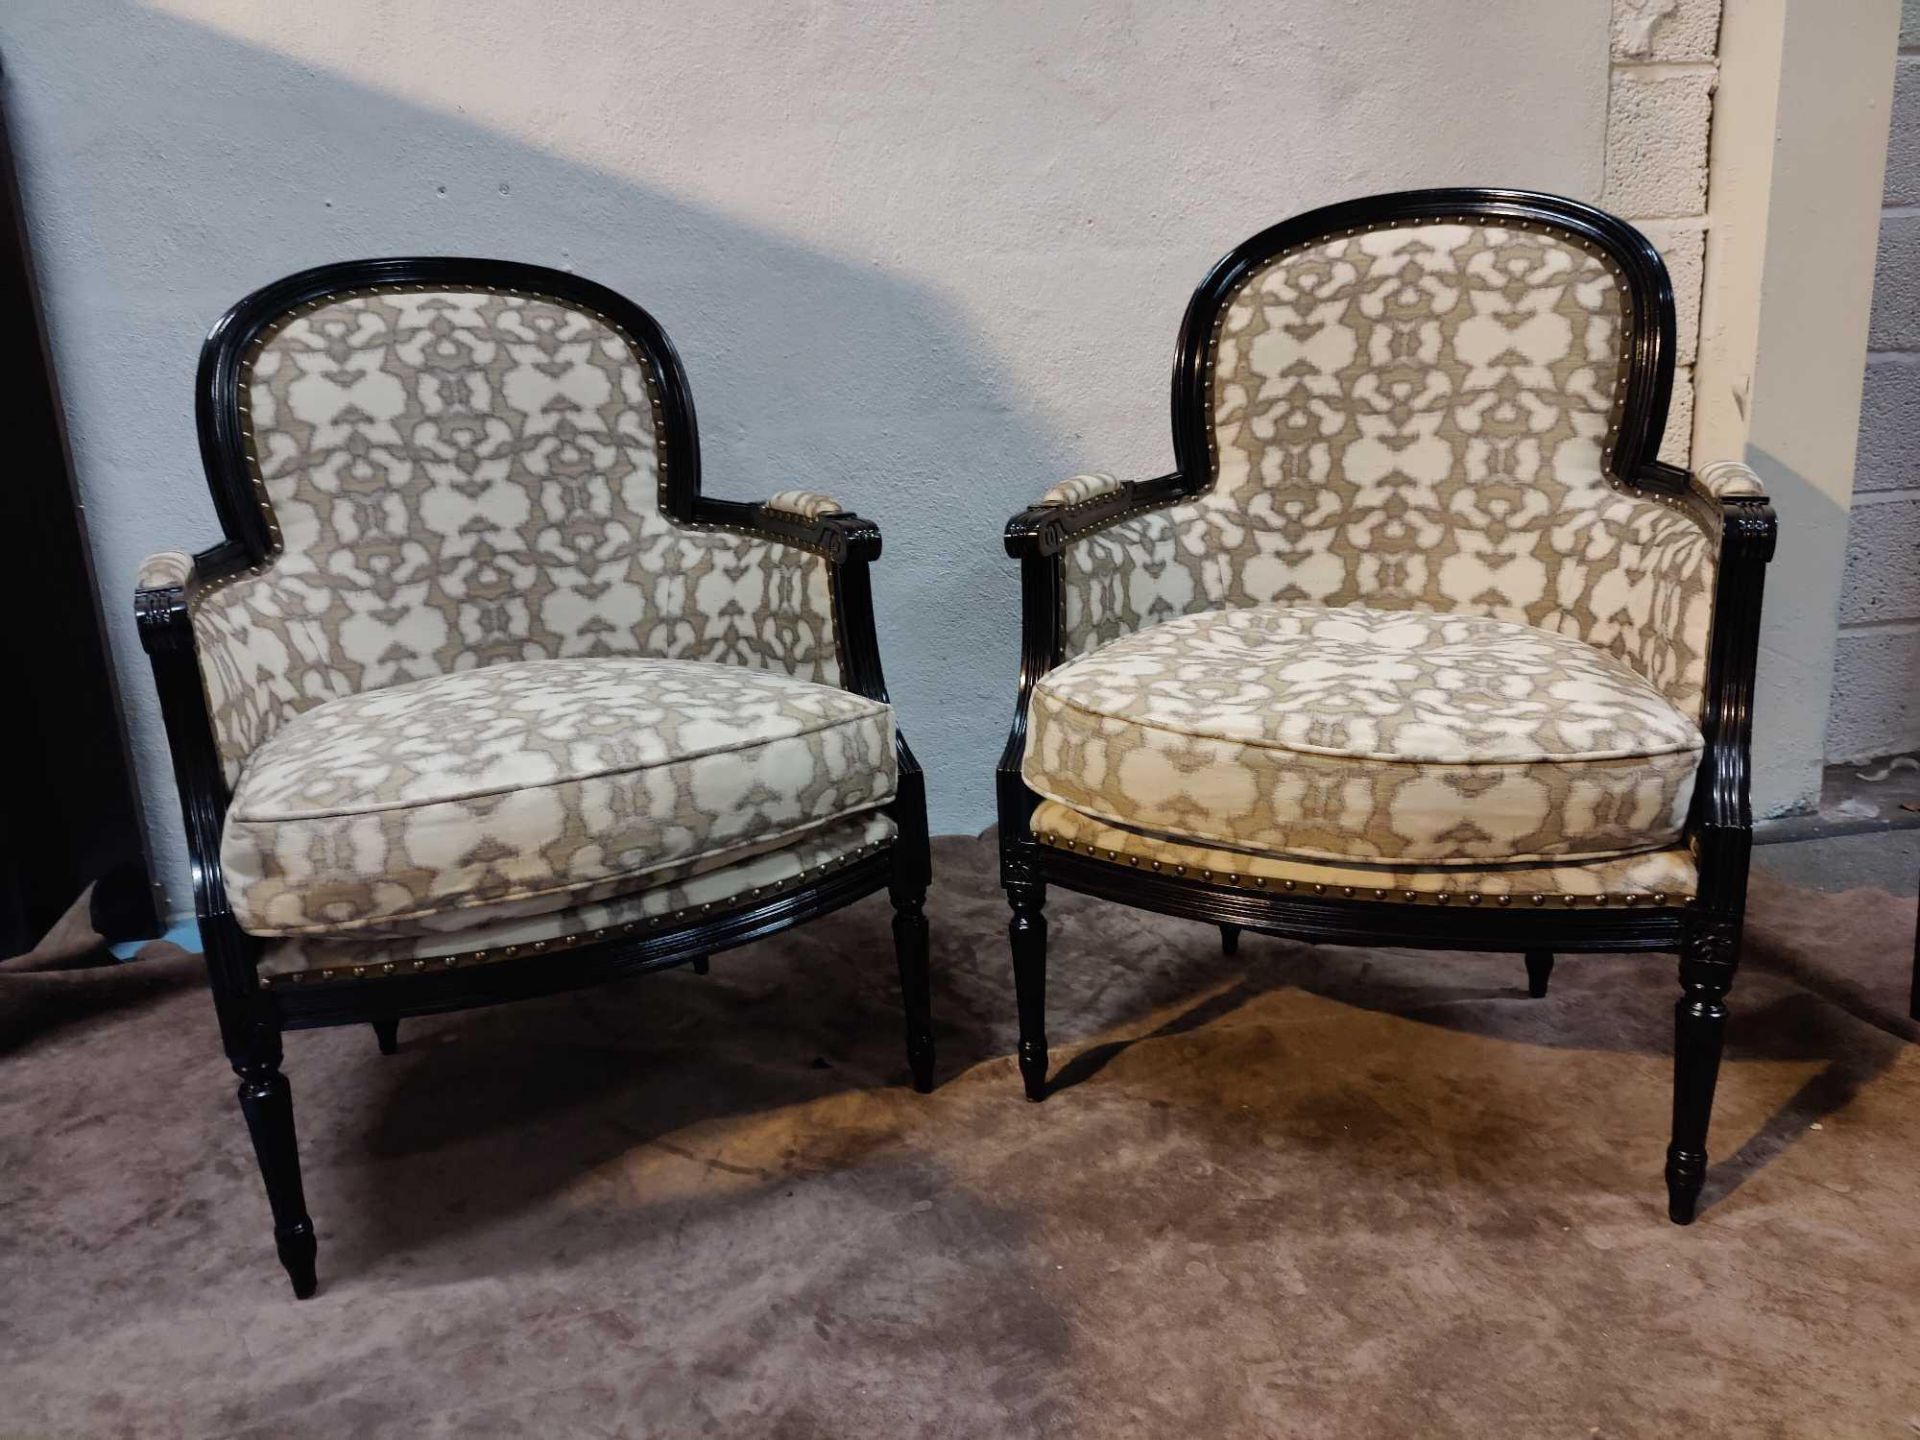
1704, 931
252, 1015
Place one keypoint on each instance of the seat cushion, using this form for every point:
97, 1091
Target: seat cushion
664, 905
1646, 877
523, 788
1373, 735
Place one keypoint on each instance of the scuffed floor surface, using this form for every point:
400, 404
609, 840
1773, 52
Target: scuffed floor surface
1297, 1192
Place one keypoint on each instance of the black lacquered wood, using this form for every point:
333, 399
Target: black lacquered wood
1720, 824
1913, 992
252, 1015
1027, 933
1539, 972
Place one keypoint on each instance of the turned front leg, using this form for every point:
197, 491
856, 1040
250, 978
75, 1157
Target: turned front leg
1699, 1031
911, 943
1539, 971
1028, 933
267, 1102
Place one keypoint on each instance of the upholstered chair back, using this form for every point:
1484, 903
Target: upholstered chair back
454, 477
1422, 415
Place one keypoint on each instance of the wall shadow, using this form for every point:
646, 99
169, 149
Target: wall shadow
228, 166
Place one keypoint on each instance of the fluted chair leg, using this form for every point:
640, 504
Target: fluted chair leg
1028, 933
387, 1032
267, 1101
1539, 970
1699, 1029
910, 947
1913, 995
1229, 939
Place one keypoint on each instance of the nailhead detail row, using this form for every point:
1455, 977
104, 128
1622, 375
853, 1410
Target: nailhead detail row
1349, 892
558, 943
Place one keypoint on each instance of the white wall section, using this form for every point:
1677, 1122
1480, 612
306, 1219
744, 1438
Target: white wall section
927, 259
1876, 674
1796, 164
1660, 101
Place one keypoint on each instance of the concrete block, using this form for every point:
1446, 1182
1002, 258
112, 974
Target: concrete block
1896, 286
1882, 579
1683, 245
1657, 141
1903, 135
1909, 23
1666, 30
1677, 444
1876, 695
1903, 138
1889, 454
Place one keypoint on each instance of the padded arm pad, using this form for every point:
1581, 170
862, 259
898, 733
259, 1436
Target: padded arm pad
169, 570
806, 504
1729, 479
1078, 489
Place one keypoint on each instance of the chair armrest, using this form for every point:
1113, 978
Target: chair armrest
804, 504
1082, 505
1728, 480
162, 605
1069, 570
169, 570
814, 557
1728, 498
1082, 489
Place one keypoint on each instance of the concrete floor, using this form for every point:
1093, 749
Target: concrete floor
1884, 859
1316, 1191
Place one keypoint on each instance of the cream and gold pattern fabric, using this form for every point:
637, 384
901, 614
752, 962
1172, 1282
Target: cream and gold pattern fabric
1384, 736
667, 901
1653, 877
805, 504
1417, 418
526, 787
459, 478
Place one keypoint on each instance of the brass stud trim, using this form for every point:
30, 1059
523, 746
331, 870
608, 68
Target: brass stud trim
582, 939
1289, 884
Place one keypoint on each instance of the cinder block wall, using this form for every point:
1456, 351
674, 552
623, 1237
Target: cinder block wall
1876, 682
1659, 111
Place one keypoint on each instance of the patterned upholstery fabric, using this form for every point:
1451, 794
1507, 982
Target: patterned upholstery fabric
1360, 734
1658, 876
1416, 418
528, 787
663, 903
460, 478
1078, 489
807, 504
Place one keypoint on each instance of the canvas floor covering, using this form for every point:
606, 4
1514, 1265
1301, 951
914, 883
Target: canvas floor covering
1303, 1192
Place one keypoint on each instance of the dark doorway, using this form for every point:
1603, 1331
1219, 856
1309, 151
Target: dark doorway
68, 813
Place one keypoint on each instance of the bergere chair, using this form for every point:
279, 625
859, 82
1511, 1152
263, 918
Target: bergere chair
1420, 645
480, 698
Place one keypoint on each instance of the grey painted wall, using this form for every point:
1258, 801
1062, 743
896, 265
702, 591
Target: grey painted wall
926, 259
1876, 683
